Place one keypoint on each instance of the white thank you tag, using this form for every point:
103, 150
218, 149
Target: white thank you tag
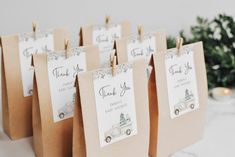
115, 104
181, 82
27, 47
62, 74
138, 49
105, 37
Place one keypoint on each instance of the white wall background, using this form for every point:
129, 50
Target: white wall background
171, 15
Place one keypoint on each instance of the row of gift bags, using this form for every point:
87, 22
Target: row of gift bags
116, 94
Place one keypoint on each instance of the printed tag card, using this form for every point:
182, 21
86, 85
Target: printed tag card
62, 72
132, 48
178, 103
17, 76
115, 104
111, 116
53, 97
141, 49
104, 36
181, 82
27, 47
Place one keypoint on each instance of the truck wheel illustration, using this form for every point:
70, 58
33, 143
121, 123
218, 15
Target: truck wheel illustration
30, 91
108, 139
177, 111
128, 131
192, 106
61, 115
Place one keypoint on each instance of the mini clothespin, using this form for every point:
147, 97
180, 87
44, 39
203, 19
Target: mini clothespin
111, 56
140, 32
114, 64
111, 59
66, 47
179, 44
107, 21
34, 30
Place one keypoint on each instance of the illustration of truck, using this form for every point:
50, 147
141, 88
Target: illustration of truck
124, 127
67, 109
184, 104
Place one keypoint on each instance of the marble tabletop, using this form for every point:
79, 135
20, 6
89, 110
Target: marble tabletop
218, 140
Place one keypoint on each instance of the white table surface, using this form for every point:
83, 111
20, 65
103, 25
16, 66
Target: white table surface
218, 140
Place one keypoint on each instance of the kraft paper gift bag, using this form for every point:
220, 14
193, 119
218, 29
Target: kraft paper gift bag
104, 36
144, 46
17, 76
53, 98
140, 46
181, 93
111, 112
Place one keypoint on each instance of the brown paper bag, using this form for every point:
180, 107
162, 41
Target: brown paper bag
119, 128
52, 128
141, 46
145, 45
17, 112
175, 125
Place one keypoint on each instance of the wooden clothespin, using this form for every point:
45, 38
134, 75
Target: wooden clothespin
112, 54
114, 64
140, 33
34, 24
66, 47
107, 21
179, 44
111, 59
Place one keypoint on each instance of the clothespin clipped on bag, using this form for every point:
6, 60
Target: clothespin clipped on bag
140, 33
113, 61
107, 21
34, 25
66, 47
112, 54
179, 44
114, 64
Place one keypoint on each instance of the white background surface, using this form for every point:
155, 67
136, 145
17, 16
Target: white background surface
172, 15
218, 139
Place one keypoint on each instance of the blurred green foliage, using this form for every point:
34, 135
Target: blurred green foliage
218, 36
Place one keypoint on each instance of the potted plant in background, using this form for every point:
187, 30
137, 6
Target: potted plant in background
218, 36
